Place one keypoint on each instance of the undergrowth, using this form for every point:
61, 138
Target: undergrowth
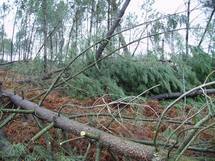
120, 76
38, 152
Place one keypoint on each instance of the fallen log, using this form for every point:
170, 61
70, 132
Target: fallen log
111, 142
178, 94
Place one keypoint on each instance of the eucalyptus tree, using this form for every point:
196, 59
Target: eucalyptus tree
174, 38
210, 6
115, 9
45, 32
156, 27
3, 11
187, 27
25, 24
112, 29
13, 32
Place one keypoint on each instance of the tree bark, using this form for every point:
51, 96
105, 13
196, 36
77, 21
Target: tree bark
30, 41
206, 29
44, 7
178, 94
121, 37
188, 27
112, 29
11, 45
113, 143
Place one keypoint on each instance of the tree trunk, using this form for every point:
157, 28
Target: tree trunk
172, 43
30, 41
206, 28
187, 28
178, 94
108, 15
2, 41
112, 29
111, 142
51, 48
11, 45
121, 37
71, 31
44, 8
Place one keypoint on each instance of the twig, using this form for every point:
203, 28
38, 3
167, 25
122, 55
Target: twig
192, 135
173, 103
17, 111
44, 130
7, 120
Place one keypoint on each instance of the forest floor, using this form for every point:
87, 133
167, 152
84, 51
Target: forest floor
98, 112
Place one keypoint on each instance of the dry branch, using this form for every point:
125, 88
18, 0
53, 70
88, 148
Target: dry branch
178, 94
113, 143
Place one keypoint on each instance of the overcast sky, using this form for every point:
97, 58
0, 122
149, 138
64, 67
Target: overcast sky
164, 6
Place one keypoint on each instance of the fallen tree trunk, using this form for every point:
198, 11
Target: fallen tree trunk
178, 94
111, 142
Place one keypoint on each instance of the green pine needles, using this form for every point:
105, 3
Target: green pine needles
119, 76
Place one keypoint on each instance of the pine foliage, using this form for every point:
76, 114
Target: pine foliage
119, 76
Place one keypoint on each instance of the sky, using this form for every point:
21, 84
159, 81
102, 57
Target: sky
164, 6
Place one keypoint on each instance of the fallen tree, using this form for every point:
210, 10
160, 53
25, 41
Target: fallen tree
111, 142
178, 94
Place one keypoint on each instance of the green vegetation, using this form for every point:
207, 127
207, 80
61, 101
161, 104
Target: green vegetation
120, 76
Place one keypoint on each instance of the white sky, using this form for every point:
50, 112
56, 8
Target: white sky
164, 6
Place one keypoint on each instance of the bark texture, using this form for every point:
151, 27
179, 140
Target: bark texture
178, 94
111, 142
112, 29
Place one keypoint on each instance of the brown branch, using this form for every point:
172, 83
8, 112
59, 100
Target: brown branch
178, 94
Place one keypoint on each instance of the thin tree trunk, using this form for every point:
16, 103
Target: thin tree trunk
51, 48
30, 40
71, 31
44, 7
32, 46
187, 28
175, 95
76, 34
92, 17
19, 49
25, 45
2, 41
11, 45
112, 29
172, 43
206, 28
61, 44
121, 37
147, 42
108, 15
162, 50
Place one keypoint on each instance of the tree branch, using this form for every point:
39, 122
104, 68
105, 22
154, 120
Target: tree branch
114, 143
